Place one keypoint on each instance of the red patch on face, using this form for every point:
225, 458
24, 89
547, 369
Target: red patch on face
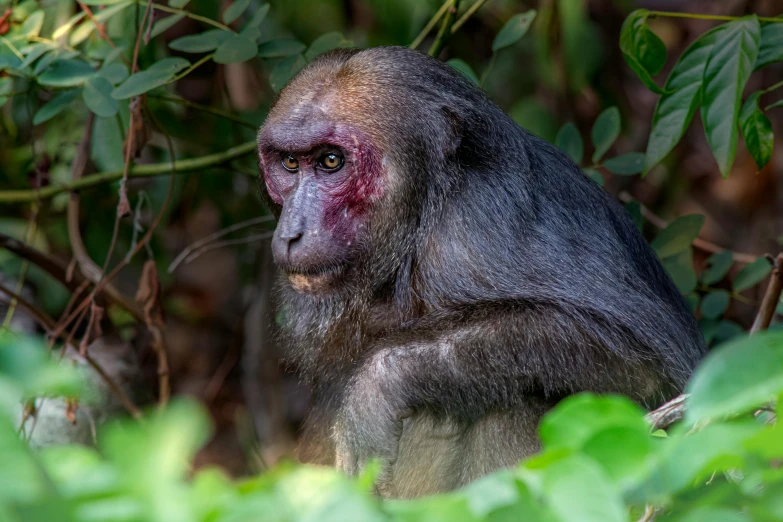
345, 210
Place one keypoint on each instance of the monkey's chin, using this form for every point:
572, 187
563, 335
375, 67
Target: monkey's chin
314, 283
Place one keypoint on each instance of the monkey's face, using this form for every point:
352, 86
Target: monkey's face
326, 175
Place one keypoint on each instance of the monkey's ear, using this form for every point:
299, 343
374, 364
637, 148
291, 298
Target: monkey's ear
455, 131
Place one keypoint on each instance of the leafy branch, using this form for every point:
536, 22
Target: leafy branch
137, 171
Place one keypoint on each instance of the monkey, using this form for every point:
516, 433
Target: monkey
448, 277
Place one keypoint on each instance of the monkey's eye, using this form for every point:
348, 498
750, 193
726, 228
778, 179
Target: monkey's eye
330, 162
290, 163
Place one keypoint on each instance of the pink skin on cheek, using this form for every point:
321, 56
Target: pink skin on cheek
345, 211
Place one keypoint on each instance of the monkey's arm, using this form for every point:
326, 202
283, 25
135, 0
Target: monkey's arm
484, 360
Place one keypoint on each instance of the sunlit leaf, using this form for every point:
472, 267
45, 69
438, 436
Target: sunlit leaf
285, 70
236, 49
327, 42
97, 96
280, 48
66, 27
644, 52
737, 377
757, 130
158, 74
579, 491
626, 165
715, 304
718, 266
678, 236
675, 108
605, 131
751, 274
235, 10
66, 73
32, 26
725, 75
464, 68
202, 42
570, 141
513, 30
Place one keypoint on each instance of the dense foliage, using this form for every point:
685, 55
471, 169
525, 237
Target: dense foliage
105, 69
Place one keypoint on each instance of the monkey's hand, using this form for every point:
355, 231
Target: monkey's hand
369, 423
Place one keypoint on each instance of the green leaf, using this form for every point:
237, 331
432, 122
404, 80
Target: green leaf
280, 48
63, 29
66, 73
36, 52
626, 165
680, 269
6, 86
258, 17
327, 42
714, 514
285, 70
605, 131
577, 418
715, 304
579, 491
751, 274
643, 51
85, 30
757, 130
178, 4
678, 236
159, 73
725, 75
623, 453
693, 301
161, 25
202, 42
634, 208
97, 96
513, 30
570, 141
675, 109
491, 492
718, 266
235, 10
236, 49
596, 176
727, 330
464, 68
771, 45
737, 377
114, 72
32, 26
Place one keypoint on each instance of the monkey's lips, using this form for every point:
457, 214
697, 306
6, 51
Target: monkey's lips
317, 281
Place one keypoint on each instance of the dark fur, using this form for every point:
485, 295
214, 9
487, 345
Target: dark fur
497, 278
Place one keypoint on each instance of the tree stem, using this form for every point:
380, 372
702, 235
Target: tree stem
138, 171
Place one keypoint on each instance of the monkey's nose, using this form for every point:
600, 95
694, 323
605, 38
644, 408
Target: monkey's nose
289, 238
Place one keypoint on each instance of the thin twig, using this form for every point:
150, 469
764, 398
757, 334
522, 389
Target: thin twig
190, 15
204, 108
229, 242
101, 29
138, 171
699, 243
771, 296
427, 28
444, 33
216, 235
48, 324
718, 18
465, 17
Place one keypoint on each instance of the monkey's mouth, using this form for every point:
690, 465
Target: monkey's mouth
313, 281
